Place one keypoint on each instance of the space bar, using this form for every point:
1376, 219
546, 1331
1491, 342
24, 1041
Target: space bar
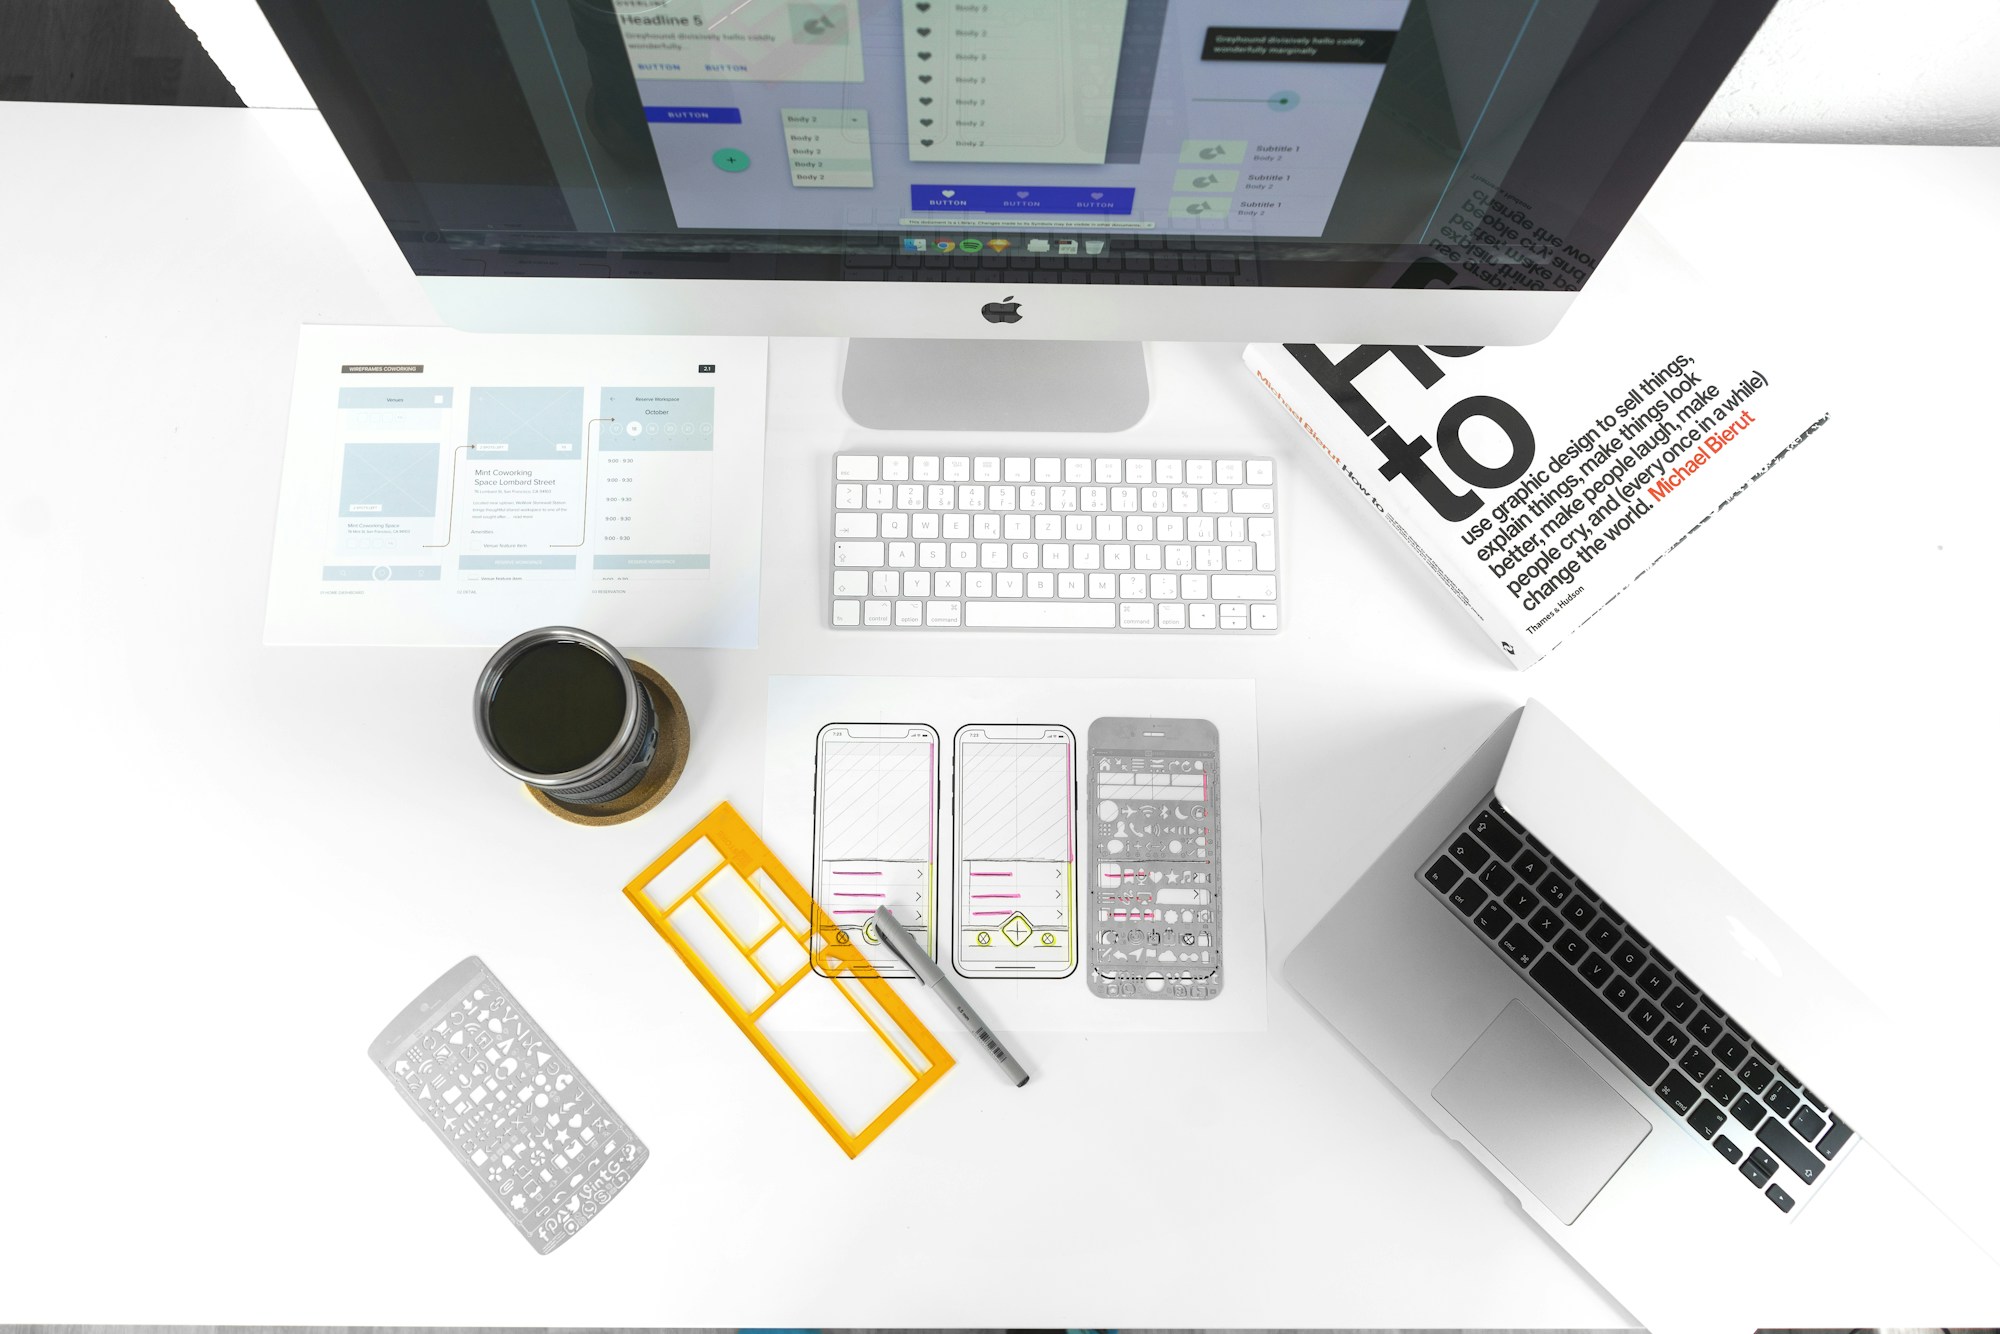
1599, 1020
1042, 615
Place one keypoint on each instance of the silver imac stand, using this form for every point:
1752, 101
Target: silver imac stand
990, 384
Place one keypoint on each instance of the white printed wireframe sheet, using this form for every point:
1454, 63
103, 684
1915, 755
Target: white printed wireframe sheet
453, 489
875, 789
1020, 827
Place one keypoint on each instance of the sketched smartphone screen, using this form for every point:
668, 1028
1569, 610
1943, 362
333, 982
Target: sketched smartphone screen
1014, 851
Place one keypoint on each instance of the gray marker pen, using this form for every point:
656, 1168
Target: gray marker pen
911, 955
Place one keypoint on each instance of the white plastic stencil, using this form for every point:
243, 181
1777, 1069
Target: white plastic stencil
508, 1104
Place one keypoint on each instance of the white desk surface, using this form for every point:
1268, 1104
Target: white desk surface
223, 867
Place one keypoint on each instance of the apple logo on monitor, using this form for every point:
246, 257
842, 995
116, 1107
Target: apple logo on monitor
1002, 312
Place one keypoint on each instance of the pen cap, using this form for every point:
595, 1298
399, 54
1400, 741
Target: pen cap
561, 710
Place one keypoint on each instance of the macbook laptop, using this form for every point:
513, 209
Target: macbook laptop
1680, 1091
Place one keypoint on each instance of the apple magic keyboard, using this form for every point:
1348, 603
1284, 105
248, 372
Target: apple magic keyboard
1024, 542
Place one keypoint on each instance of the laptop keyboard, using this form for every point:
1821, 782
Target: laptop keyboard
1641, 1011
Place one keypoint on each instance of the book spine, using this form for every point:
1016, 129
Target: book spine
1276, 374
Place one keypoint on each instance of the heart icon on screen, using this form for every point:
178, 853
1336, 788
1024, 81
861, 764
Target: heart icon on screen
1097, 194
948, 193
1020, 194
923, 32
923, 55
925, 122
924, 100
927, 143
923, 78
923, 6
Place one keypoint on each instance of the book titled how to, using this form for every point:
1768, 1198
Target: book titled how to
1537, 483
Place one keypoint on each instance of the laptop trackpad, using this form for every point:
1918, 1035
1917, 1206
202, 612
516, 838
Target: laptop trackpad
1548, 1117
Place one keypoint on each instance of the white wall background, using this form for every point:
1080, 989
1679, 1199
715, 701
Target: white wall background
1820, 71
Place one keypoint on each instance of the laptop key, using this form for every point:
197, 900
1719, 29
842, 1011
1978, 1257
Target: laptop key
1780, 1099
1808, 1123
1644, 1016
1830, 1142
1670, 1040
1706, 1119
1776, 1195
1571, 946
1467, 898
1678, 1093
1553, 889
1521, 901
1545, 923
1748, 1110
1726, 1147
1729, 1052
1679, 1004
1530, 867
1654, 980
1791, 1150
1444, 873
1521, 945
1496, 877
1595, 969
1495, 835
1621, 993
1629, 958
1604, 935
1576, 999
1758, 1167
1492, 920
1722, 1088
1705, 1027
1697, 1062
1814, 1098
1470, 855
1578, 912
1755, 1076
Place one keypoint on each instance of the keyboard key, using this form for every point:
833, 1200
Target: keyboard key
1595, 969
1707, 1119
1578, 912
1467, 897
1545, 923
858, 554
945, 614
1553, 889
1831, 1142
1603, 935
1492, 920
1671, 1040
1722, 1088
1791, 1150
1755, 1076
1775, 1193
1697, 1062
846, 612
1814, 1098
1653, 980
1496, 877
1530, 867
1620, 993
1758, 1167
1583, 1005
1521, 946
1041, 615
1678, 1093
1729, 1051
1726, 1147
1244, 587
856, 467
1644, 1017
1521, 901
1495, 835
1628, 958
1748, 1110
1780, 1098
1259, 472
1571, 946
1705, 1027
1808, 1123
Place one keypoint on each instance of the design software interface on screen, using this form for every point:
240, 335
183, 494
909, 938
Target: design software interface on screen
1084, 116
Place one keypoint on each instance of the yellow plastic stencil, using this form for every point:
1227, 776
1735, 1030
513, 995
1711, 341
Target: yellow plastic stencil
856, 1056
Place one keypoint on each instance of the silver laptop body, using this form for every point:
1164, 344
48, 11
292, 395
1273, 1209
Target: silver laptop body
1443, 969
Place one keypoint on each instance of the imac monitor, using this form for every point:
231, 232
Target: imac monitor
1389, 171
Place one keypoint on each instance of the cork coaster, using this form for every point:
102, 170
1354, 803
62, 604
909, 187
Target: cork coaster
669, 758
